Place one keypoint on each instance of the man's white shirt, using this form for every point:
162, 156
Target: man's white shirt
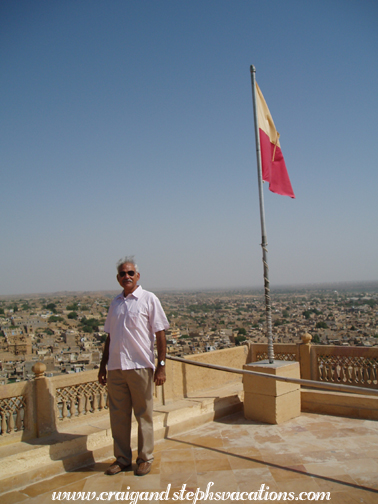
132, 322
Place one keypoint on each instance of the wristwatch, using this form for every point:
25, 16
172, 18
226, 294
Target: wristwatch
162, 363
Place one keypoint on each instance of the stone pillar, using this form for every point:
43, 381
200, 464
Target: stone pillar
269, 400
44, 402
250, 357
305, 356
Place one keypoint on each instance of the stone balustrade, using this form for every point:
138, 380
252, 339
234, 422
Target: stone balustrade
44, 405
16, 418
357, 366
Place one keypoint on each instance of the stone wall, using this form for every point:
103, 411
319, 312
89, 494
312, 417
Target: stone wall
42, 406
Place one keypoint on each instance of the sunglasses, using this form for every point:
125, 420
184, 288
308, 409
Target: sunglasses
131, 273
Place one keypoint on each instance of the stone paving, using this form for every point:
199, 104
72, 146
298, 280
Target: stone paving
312, 453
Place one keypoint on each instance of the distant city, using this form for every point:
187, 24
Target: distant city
66, 330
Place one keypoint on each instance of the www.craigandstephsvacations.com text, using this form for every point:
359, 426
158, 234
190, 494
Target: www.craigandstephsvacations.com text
263, 494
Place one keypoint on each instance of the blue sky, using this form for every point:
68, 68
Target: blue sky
126, 127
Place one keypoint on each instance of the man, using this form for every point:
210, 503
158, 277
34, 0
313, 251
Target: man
134, 319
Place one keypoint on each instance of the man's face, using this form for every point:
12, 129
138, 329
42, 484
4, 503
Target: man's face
125, 278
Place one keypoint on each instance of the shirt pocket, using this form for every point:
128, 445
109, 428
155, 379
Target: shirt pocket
134, 318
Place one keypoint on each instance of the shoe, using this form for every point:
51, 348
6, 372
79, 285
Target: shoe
143, 468
117, 467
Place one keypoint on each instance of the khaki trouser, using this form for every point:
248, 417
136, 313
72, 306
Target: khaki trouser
131, 390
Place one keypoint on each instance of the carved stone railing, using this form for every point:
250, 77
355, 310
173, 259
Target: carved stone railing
80, 399
16, 413
355, 366
12, 411
45, 405
48, 404
37, 408
282, 351
76, 396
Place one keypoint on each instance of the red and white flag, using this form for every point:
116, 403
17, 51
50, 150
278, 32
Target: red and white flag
273, 164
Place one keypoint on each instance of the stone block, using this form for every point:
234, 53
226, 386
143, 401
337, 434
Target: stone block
270, 386
270, 409
267, 399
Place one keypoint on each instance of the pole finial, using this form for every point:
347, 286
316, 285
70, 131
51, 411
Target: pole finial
253, 69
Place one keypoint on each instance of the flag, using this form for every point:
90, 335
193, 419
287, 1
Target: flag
273, 164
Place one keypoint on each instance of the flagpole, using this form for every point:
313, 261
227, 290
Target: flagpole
264, 243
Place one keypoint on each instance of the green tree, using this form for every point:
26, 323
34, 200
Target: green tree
89, 325
72, 307
321, 325
239, 339
72, 315
242, 331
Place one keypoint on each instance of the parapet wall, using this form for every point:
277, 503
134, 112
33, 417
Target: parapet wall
186, 381
45, 405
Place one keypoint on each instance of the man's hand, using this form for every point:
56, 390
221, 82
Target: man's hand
161, 345
102, 375
105, 357
159, 377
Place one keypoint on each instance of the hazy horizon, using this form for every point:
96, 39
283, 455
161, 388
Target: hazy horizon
341, 286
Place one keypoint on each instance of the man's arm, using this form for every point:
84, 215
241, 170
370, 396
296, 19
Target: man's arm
104, 361
161, 345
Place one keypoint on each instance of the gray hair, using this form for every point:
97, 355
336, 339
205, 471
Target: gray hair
127, 259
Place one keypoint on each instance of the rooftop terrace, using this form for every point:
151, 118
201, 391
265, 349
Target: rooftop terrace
312, 453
